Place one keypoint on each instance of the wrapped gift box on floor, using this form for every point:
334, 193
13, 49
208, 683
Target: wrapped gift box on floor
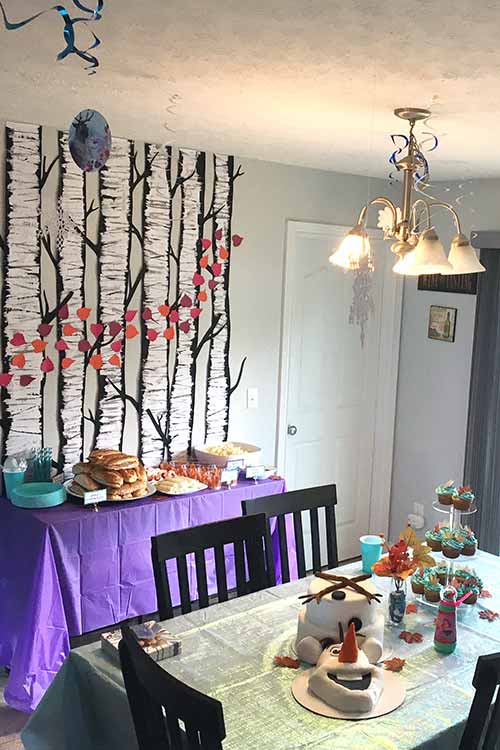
157, 642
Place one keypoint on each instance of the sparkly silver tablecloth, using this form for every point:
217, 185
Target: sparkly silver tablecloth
228, 652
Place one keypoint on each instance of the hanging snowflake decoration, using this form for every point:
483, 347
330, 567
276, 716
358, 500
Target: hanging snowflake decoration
362, 305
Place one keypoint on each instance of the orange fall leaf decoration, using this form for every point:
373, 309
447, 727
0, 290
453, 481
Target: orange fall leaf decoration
395, 664
286, 661
408, 637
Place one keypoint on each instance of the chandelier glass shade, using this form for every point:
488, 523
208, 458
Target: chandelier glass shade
418, 250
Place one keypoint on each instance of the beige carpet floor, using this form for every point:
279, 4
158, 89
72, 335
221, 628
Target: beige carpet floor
11, 722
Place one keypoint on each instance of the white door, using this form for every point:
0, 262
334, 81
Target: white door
337, 396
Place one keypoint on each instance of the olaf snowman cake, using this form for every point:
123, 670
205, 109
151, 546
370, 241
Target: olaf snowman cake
332, 604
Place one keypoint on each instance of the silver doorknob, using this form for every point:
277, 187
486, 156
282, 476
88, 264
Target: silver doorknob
292, 430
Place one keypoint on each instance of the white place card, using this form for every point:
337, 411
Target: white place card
96, 496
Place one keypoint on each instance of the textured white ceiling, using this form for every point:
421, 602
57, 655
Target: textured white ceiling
310, 82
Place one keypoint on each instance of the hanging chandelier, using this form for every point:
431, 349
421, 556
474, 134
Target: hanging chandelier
417, 246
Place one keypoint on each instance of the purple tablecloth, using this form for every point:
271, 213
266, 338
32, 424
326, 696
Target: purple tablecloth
68, 570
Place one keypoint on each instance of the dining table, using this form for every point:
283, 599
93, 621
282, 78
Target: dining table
228, 652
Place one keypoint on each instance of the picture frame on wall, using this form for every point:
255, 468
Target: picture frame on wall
463, 283
442, 323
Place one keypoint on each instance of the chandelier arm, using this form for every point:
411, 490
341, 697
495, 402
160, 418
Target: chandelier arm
440, 204
384, 202
414, 223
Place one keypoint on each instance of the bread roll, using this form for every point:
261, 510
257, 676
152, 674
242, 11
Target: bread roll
131, 489
114, 495
87, 481
129, 475
119, 462
76, 489
106, 477
142, 473
83, 467
100, 453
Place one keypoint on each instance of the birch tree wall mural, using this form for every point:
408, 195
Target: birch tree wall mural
114, 283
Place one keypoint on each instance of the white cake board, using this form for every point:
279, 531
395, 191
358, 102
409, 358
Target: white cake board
393, 696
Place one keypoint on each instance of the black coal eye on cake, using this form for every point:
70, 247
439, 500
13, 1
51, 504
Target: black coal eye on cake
356, 622
338, 596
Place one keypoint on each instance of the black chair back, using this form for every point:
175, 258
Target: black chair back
247, 537
278, 506
482, 730
158, 703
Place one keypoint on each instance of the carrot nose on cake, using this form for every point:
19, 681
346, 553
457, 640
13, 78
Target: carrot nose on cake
349, 651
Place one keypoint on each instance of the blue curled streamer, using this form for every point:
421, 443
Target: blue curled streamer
69, 30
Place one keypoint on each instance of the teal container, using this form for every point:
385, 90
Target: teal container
12, 479
371, 549
38, 495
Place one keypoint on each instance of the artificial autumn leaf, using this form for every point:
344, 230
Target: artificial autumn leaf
18, 339
5, 379
96, 361
61, 345
114, 328
169, 333
19, 360
409, 637
185, 326
485, 594
206, 244
411, 608
69, 330
286, 661
488, 614
115, 360
223, 253
198, 279
204, 261
63, 312
202, 296
39, 345
131, 332
66, 362
83, 313
164, 310
237, 240
44, 329
420, 549
174, 316
97, 329
83, 345
130, 315
395, 664
26, 380
47, 365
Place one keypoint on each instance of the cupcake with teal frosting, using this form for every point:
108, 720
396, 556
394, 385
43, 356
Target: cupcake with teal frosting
432, 587
451, 546
472, 584
443, 573
470, 542
446, 492
434, 538
464, 498
417, 581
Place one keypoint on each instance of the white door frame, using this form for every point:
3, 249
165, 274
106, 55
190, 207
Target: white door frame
387, 378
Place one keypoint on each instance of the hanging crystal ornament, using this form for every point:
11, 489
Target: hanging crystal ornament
362, 305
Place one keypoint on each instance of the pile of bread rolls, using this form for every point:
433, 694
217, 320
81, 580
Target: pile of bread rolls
123, 476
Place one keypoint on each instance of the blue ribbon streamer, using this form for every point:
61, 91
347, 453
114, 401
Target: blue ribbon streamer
69, 30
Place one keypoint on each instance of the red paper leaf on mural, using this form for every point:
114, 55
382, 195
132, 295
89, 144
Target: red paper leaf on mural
186, 301
69, 330
204, 261
223, 253
47, 365
174, 316
488, 614
212, 284
18, 339
152, 334
66, 362
63, 312
395, 664
169, 333
286, 661
147, 314
485, 594
44, 329
83, 345
39, 345
26, 380
411, 608
131, 332
83, 312
202, 296
195, 312
130, 315
164, 310
117, 345
206, 244
114, 328
61, 345
97, 329
198, 279
237, 240
218, 234
96, 361
408, 637
115, 360
216, 269
5, 379
185, 326
19, 360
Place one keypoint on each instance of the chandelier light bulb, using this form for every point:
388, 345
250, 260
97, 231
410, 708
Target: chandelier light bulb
427, 258
354, 248
463, 258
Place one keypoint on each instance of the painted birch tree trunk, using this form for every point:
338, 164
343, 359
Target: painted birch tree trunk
23, 421
218, 369
157, 230
115, 186
72, 270
192, 174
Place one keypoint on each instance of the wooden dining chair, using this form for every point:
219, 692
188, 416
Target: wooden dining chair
482, 729
247, 537
278, 507
159, 702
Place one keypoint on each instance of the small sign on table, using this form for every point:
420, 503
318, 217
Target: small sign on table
94, 497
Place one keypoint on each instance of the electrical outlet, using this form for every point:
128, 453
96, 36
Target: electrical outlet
252, 398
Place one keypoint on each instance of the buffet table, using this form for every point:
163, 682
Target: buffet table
228, 651
70, 570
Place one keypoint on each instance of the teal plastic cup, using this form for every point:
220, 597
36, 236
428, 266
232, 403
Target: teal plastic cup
371, 549
12, 480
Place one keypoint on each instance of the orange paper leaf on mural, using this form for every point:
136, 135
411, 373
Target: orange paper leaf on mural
96, 361
223, 253
69, 330
163, 310
202, 296
83, 313
115, 360
169, 333
204, 261
39, 345
19, 360
66, 362
131, 332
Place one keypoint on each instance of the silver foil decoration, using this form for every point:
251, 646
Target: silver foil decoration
362, 305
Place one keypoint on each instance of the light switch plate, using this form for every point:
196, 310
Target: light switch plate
252, 398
